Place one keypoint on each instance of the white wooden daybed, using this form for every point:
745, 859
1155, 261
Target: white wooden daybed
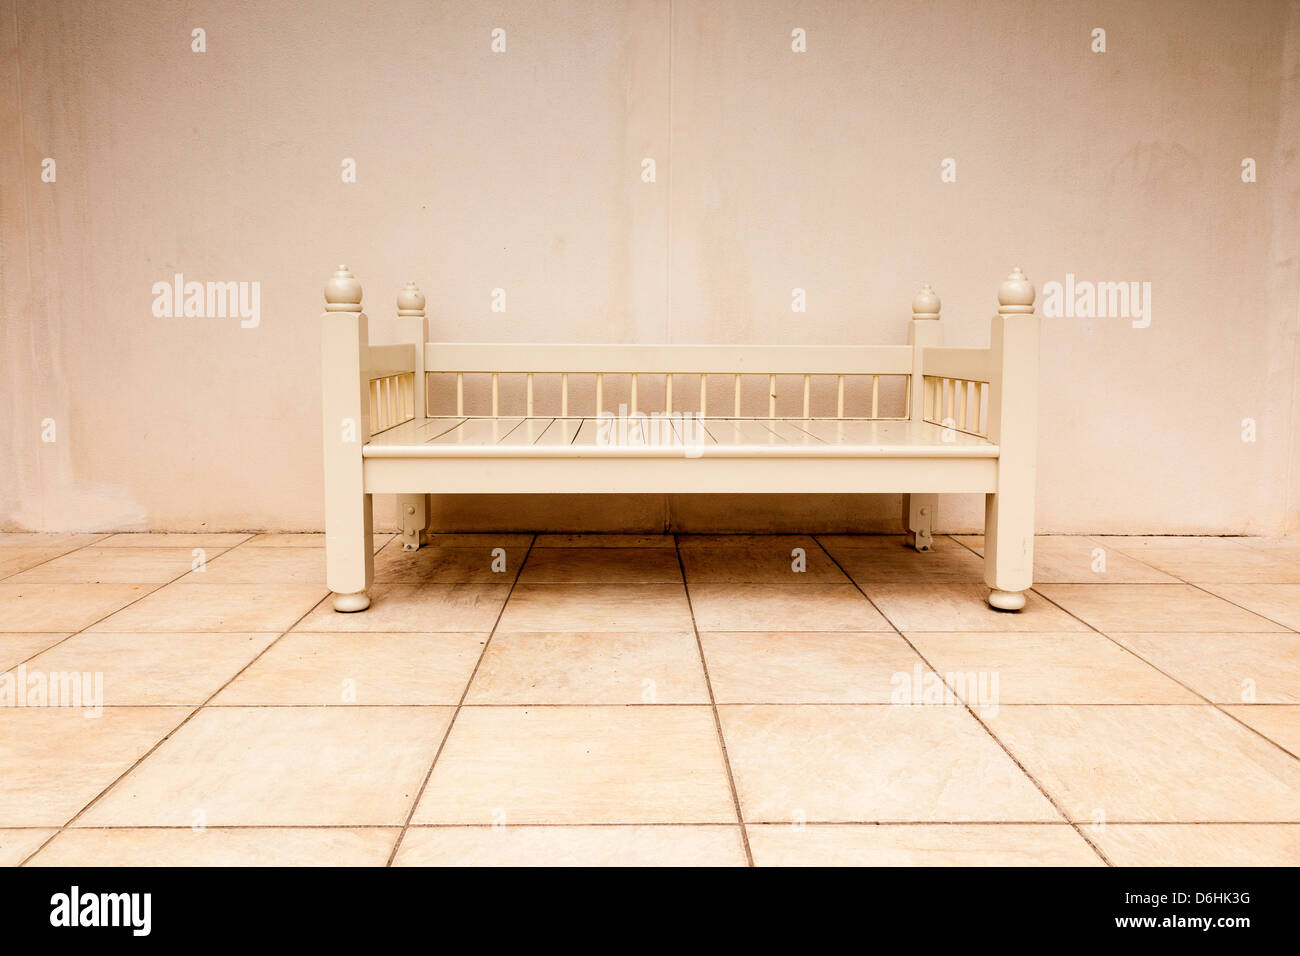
968, 424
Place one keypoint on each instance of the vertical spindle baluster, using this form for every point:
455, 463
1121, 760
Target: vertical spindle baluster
807, 396
704, 394
530, 395
771, 396
875, 396
839, 397
496, 394
564, 394
668, 394
736, 396
460, 393
600, 392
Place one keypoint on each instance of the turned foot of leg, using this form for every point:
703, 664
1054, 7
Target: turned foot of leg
351, 602
1006, 600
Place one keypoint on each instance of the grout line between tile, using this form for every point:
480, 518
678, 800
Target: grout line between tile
446, 735
713, 704
1156, 667
167, 736
997, 740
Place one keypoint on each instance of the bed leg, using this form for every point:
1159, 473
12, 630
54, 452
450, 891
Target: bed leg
1013, 425
414, 510
1008, 550
918, 518
350, 558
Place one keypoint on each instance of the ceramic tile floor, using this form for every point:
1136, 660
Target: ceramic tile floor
651, 700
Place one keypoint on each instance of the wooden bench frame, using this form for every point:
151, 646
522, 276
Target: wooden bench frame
991, 393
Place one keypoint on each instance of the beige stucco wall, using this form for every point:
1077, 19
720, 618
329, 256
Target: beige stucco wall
521, 171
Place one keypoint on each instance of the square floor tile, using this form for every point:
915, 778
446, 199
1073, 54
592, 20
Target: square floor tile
359, 668
1226, 668
113, 566
40, 539
1078, 559
783, 607
597, 607
608, 667
143, 669
140, 539
781, 543
307, 540
431, 565
216, 846
602, 566
952, 844
1066, 667
1280, 723
281, 766
521, 765
1208, 563
1277, 602
806, 667
42, 606
263, 566
945, 606
1152, 607
16, 648
418, 608
487, 540
187, 606
605, 541
664, 845
873, 763
17, 845
13, 560
56, 759
904, 565
1141, 764
1140, 543
836, 543
1199, 844
759, 563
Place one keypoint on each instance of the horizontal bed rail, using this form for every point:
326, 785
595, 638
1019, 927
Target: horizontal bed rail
386, 360
661, 359
972, 365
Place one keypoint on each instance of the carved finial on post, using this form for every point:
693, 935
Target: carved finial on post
343, 292
410, 301
925, 304
1016, 294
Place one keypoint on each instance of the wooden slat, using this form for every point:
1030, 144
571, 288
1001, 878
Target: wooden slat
807, 396
477, 431
564, 394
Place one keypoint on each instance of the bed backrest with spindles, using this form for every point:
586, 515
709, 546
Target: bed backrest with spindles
952, 387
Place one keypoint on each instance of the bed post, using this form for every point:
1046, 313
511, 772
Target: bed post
919, 511
1013, 425
345, 405
413, 510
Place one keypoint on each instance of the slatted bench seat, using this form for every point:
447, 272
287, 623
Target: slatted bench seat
965, 421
